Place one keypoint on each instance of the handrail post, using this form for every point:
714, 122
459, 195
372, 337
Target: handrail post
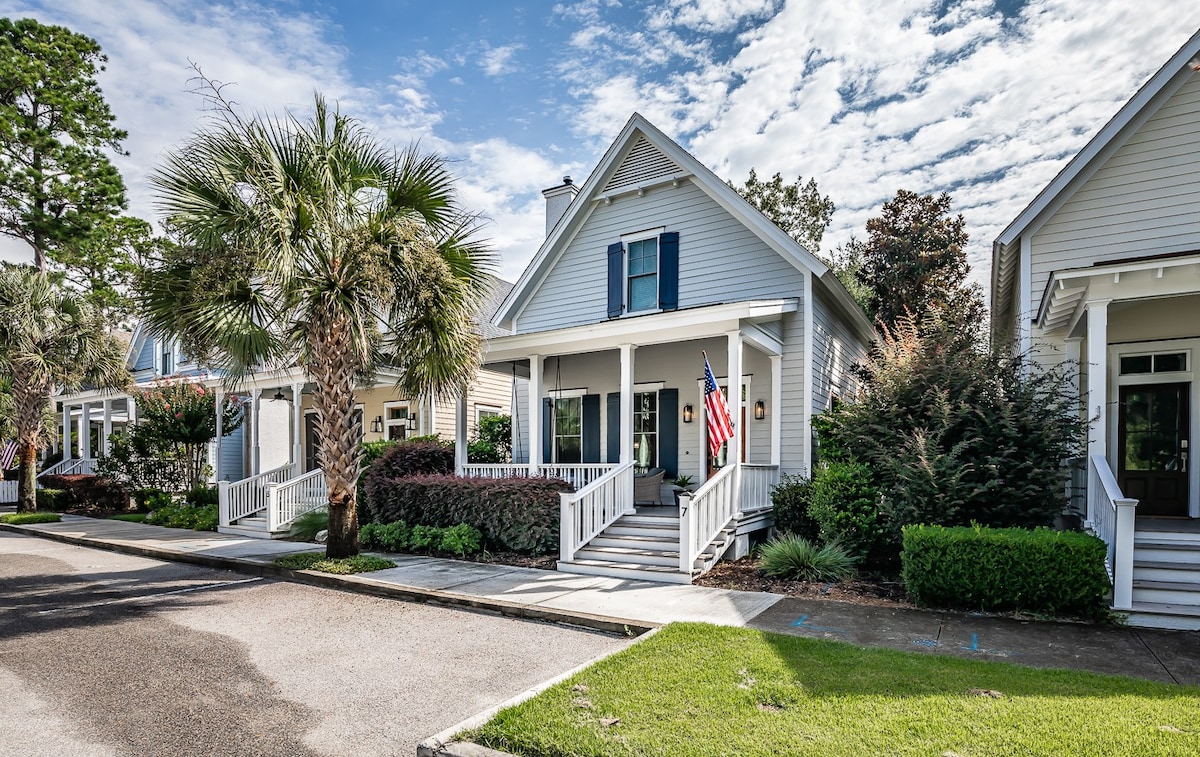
223, 503
685, 532
566, 527
272, 506
1123, 554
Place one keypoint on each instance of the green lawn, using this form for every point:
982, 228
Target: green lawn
25, 519
339, 565
129, 517
695, 689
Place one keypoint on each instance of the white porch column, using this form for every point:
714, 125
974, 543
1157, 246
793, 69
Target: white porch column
216, 445
1097, 385
535, 414
460, 432
734, 450
85, 431
255, 394
131, 410
106, 429
298, 427
66, 431
626, 403
776, 410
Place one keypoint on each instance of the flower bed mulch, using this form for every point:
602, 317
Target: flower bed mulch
744, 575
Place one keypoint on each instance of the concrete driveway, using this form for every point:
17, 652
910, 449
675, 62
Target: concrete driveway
109, 654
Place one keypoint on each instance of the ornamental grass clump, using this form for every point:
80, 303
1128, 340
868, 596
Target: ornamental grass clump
796, 557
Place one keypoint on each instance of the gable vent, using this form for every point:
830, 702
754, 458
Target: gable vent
643, 163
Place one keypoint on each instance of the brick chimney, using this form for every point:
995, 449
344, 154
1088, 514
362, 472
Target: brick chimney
558, 199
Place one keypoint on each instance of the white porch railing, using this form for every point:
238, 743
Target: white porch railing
706, 513
578, 475
757, 483
240, 499
595, 507
81, 466
59, 467
291, 499
8, 492
1111, 514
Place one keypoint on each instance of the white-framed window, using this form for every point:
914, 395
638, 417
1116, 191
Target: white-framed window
486, 411
1154, 362
395, 420
166, 358
568, 430
641, 275
645, 429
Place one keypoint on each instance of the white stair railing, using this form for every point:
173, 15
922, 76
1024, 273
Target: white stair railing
76, 466
240, 499
1111, 514
703, 515
59, 467
585, 513
291, 499
756, 486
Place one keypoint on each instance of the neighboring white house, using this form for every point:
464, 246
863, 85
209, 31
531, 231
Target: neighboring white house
653, 261
1103, 270
267, 468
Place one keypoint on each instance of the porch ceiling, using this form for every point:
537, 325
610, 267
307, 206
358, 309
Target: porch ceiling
656, 328
1068, 291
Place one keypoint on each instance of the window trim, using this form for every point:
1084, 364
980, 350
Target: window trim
389, 422
657, 415
482, 408
626, 240
566, 394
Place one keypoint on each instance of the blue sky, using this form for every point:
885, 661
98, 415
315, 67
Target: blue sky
984, 99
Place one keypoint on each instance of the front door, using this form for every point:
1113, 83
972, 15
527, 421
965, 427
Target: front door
1152, 444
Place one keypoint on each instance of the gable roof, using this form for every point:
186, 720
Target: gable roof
1140, 108
668, 162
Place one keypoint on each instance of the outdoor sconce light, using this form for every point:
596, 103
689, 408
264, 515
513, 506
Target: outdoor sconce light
377, 425
278, 395
412, 423
687, 413
760, 410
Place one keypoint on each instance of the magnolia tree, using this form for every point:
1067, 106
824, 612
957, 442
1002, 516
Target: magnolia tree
168, 448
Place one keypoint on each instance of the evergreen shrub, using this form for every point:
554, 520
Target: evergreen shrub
1042, 571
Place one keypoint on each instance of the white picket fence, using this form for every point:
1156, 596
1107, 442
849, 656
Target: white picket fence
8, 492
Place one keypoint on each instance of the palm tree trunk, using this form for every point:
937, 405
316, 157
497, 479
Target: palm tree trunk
30, 402
334, 369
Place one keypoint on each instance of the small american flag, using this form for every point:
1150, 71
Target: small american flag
8, 454
720, 427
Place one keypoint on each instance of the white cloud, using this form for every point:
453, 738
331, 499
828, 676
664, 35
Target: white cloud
499, 61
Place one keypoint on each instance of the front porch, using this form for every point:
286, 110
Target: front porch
607, 411
1133, 328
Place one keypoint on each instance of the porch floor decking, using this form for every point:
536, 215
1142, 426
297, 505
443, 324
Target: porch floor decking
1172, 525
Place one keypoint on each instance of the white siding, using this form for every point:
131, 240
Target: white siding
720, 260
1140, 202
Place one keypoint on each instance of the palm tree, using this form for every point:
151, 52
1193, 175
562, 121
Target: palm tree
49, 337
305, 241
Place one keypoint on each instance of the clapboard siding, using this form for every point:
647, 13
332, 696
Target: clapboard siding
1140, 202
146, 357
720, 260
835, 351
233, 456
794, 393
489, 389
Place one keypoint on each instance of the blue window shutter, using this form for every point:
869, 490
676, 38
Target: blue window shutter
616, 279
591, 428
668, 431
547, 430
614, 427
668, 270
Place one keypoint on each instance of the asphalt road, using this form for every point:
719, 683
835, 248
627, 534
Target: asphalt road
109, 654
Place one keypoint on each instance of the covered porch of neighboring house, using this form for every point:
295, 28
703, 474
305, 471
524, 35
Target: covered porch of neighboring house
266, 471
1133, 328
617, 409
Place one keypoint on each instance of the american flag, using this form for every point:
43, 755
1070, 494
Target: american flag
8, 454
720, 427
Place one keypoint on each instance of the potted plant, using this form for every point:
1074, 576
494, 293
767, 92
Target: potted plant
682, 484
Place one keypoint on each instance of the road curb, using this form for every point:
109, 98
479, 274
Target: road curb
359, 584
443, 744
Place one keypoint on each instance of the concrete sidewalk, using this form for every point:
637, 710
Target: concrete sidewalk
621, 605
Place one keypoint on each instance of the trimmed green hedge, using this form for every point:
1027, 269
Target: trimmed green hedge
1006, 569
517, 514
54, 500
461, 540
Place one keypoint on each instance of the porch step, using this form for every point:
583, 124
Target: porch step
1164, 615
1155, 549
642, 557
1153, 570
255, 533
636, 541
621, 529
1167, 592
658, 573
